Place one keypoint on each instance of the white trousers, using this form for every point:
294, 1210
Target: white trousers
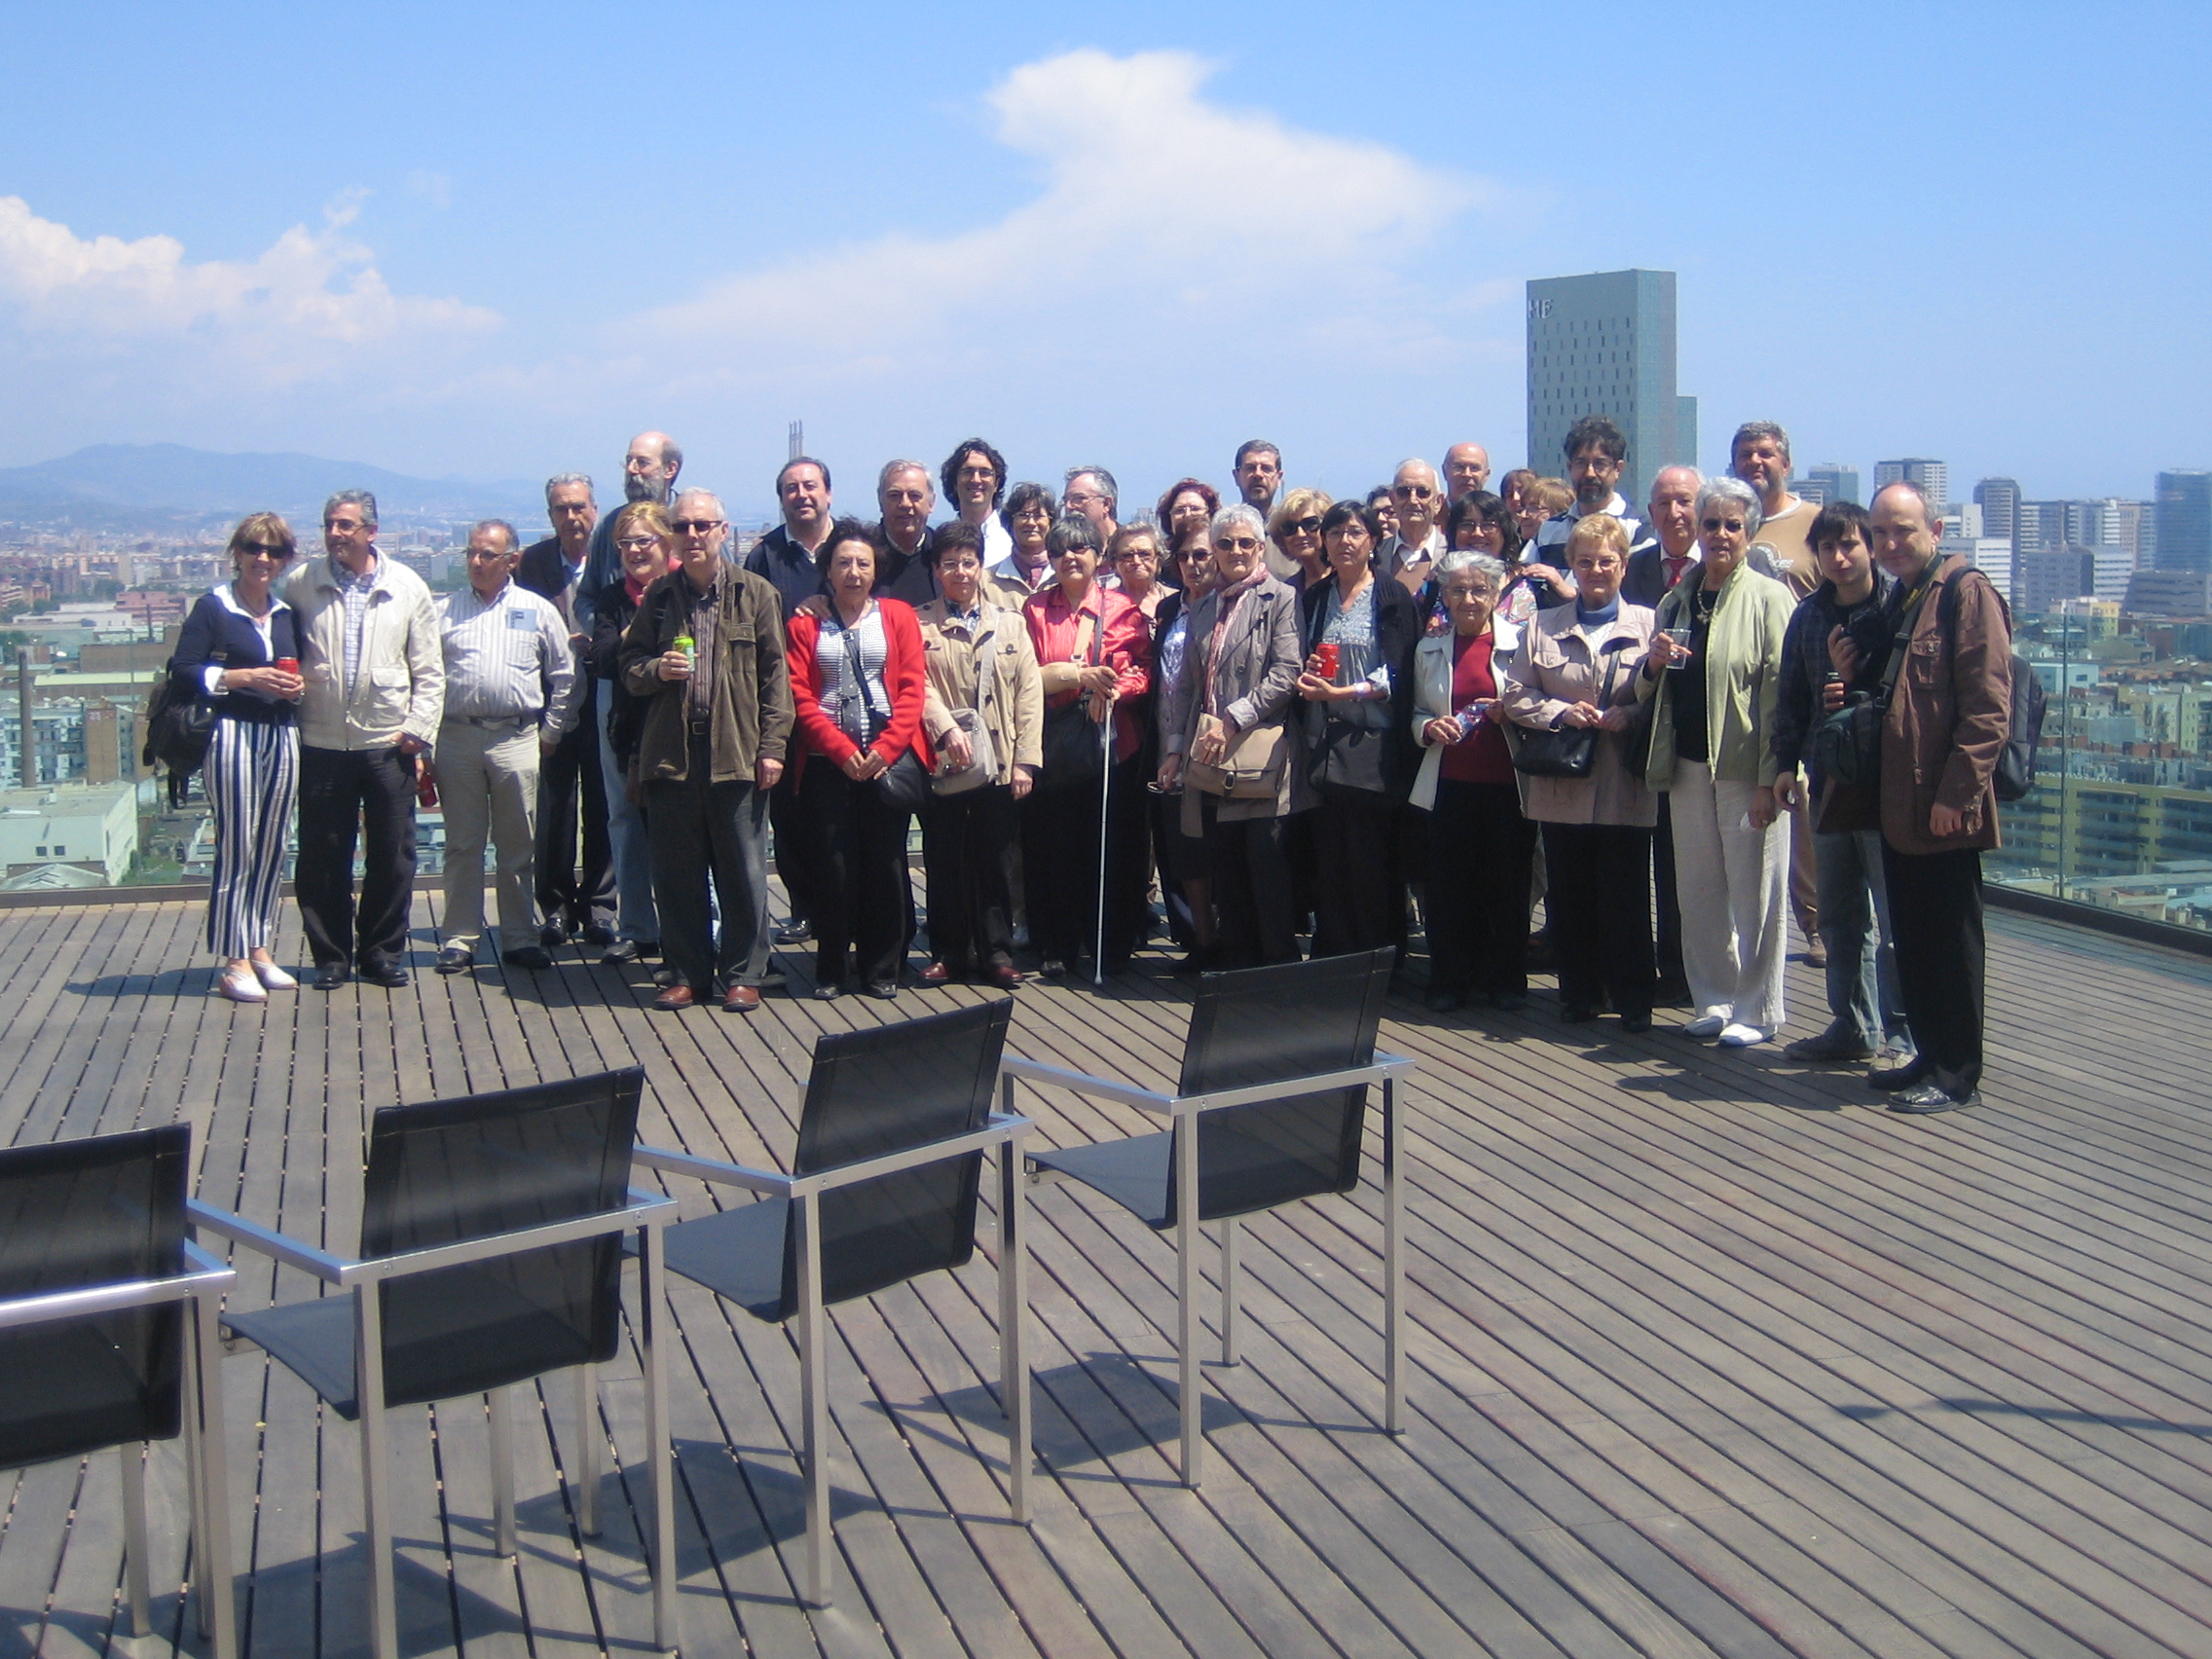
1733, 882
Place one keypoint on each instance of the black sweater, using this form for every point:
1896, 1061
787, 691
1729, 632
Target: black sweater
214, 634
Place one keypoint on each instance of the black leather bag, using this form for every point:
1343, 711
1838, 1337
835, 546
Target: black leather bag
1074, 750
1847, 744
903, 786
1557, 752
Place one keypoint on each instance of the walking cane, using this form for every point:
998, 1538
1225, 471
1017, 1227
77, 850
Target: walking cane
1105, 798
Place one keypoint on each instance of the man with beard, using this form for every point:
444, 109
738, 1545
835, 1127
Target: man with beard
1091, 491
568, 775
648, 474
973, 476
905, 498
1258, 471
784, 557
1597, 453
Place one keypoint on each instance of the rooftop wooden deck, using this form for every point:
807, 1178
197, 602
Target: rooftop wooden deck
1709, 1354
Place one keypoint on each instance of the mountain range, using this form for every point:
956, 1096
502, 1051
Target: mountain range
110, 486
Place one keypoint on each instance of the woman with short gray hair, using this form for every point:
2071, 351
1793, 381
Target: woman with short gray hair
1480, 844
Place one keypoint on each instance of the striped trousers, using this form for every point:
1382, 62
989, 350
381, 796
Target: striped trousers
252, 780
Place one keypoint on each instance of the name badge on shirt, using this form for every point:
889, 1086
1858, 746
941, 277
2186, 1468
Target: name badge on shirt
522, 621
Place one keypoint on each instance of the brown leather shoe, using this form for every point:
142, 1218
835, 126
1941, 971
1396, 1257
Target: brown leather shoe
1004, 978
741, 999
676, 997
936, 974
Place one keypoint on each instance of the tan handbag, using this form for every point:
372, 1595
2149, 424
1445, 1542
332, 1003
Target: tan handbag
1250, 770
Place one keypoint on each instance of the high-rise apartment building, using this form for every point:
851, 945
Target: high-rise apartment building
1933, 476
1605, 345
2185, 520
2000, 501
1839, 483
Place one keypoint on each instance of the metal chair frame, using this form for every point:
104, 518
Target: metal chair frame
1004, 1131
207, 1471
646, 1212
1182, 1112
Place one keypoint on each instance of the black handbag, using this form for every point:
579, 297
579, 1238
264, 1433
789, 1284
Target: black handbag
1568, 752
178, 726
1847, 744
1074, 749
903, 786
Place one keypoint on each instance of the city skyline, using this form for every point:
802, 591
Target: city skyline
1144, 237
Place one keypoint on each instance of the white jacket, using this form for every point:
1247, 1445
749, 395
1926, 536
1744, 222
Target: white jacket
1432, 696
401, 688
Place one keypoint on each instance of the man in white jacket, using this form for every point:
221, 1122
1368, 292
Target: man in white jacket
376, 683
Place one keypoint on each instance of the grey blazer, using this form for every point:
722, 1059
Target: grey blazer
1259, 664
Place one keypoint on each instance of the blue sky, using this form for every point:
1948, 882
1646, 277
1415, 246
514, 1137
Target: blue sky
494, 239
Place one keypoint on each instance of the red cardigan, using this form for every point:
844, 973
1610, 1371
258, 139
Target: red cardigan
905, 682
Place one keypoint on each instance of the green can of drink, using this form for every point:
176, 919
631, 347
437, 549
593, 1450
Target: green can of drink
689, 646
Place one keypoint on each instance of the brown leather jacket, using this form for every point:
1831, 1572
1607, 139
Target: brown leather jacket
1949, 715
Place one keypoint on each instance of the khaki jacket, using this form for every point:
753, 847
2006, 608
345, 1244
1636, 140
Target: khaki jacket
1562, 663
1950, 715
401, 688
1742, 678
753, 684
1014, 711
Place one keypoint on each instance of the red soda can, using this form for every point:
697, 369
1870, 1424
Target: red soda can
288, 665
1327, 652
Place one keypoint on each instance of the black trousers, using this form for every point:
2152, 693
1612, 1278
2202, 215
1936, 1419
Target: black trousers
794, 860
862, 897
967, 857
344, 791
1669, 906
1935, 908
1059, 867
571, 794
1252, 886
1599, 902
1359, 888
1479, 851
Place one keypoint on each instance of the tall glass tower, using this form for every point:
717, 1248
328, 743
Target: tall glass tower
1605, 345
2185, 521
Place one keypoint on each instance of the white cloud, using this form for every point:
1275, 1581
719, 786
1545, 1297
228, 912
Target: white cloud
1155, 204
310, 302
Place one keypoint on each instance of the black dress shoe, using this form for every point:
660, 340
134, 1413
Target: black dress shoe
389, 974
1636, 1024
620, 953
552, 936
528, 956
827, 990
599, 936
456, 959
797, 931
1896, 1080
883, 990
1922, 1098
331, 975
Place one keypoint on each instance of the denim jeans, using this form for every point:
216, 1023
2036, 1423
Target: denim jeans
1862, 980
635, 916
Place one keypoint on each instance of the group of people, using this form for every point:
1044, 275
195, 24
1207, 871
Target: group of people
1293, 715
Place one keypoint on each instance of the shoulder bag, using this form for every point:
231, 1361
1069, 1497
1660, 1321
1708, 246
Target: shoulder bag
974, 724
1074, 751
1566, 751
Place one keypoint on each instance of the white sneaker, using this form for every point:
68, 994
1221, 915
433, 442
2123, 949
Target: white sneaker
239, 987
1735, 1036
273, 978
1706, 1028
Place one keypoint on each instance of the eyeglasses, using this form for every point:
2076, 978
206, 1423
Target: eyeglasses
1412, 492
1236, 544
688, 527
344, 527
1136, 553
638, 543
1311, 524
262, 550
1732, 525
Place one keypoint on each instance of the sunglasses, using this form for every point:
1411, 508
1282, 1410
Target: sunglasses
1311, 524
685, 527
1236, 544
1732, 525
262, 550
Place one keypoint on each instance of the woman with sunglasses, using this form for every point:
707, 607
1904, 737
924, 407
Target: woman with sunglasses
1295, 531
1185, 881
240, 650
1714, 678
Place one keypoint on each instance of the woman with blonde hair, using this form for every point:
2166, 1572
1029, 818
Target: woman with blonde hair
240, 650
1295, 527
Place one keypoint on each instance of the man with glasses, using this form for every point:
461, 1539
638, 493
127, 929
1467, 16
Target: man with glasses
1091, 491
1597, 453
1409, 551
785, 559
973, 476
717, 725
510, 694
375, 674
650, 468
571, 789
1466, 470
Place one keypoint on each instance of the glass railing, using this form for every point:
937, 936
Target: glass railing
2121, 814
